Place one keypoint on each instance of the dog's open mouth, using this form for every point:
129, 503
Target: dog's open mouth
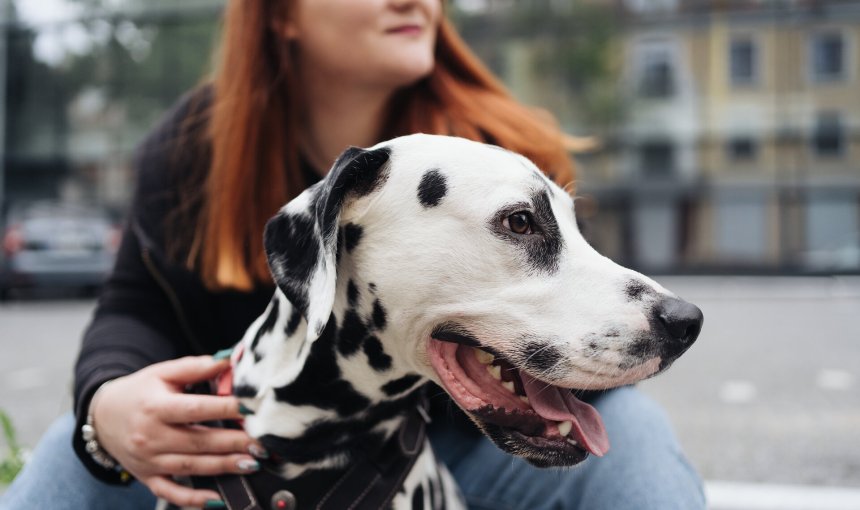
519, 412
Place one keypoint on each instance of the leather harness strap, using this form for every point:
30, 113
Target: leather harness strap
370, 482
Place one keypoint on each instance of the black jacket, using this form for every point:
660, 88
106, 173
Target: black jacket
152, 308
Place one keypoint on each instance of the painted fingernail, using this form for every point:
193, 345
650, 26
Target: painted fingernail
222, 354
248, 465
258, 451
215, 503
245, 411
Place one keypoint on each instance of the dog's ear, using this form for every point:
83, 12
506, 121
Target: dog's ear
301, 240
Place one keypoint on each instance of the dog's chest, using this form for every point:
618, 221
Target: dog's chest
429, 485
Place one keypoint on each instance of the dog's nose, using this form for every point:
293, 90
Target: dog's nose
681, 322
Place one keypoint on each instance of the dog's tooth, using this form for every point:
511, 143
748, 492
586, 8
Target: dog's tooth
495, 371
564, 428
524, 399
509, 385
484, 357
571, 441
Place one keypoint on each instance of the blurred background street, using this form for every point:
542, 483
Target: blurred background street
770, 393
718, 148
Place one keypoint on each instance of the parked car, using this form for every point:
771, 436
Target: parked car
58, 246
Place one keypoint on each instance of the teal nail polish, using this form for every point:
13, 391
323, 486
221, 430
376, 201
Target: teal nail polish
245, 411
215, 503
258, 451
248, 465
222, 354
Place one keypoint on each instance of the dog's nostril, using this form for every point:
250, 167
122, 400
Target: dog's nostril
681, 320
691, 333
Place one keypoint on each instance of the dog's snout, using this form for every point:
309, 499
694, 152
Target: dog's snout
681, 322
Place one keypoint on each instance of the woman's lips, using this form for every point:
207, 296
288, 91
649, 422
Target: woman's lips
406, 30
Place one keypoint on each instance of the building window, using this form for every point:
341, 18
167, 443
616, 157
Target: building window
829, 138
742, 149
657, 76
657, 159
743, 61
828, 56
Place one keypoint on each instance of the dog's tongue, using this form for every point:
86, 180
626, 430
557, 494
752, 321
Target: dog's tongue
559, 404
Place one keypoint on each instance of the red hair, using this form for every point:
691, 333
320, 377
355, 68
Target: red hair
253, 130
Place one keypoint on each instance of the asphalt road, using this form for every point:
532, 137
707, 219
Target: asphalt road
769, 393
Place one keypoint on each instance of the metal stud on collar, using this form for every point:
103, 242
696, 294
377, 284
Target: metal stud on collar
284, 500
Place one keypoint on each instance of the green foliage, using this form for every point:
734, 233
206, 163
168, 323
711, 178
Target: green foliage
12, 460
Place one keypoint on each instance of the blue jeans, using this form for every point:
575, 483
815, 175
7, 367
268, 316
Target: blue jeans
644, 470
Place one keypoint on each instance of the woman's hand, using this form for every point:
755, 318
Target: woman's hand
146, 422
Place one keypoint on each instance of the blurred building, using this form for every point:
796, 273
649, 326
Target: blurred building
729, 130
741, 144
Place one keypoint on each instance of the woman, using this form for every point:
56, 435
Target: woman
298, 81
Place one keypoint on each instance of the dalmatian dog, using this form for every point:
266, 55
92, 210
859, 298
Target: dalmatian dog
432, 258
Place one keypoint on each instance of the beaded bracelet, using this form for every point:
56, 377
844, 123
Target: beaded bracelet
92, 446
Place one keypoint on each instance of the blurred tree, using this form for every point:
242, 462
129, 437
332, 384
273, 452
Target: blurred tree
82, 92
573, 46
155, 50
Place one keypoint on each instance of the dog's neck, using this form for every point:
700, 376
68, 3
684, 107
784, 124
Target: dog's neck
317, 406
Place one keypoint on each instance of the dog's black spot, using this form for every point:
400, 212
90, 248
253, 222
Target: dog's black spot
380, 318
400, 385
351, 435
320, 327
351, 334
244, 391
267, 326
352, 236
640, 349
376, 356
457, 333
293, 322
372, 287
635, 290
319, 384
293, 253
418, 498
433, 188
545, 255
540, 357
352, 294
432, 487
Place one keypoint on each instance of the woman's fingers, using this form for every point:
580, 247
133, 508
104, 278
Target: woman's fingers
190, 369
189, 408
199, 439
179, 495
185, 465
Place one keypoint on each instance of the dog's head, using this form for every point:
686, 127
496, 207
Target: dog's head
487, 285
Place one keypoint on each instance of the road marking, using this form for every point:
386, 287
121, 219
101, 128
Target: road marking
752, 496
836, 380
737, 392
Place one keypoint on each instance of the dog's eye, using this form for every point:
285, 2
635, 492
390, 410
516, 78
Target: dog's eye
520, 223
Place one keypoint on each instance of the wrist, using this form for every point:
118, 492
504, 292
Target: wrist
90, 435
